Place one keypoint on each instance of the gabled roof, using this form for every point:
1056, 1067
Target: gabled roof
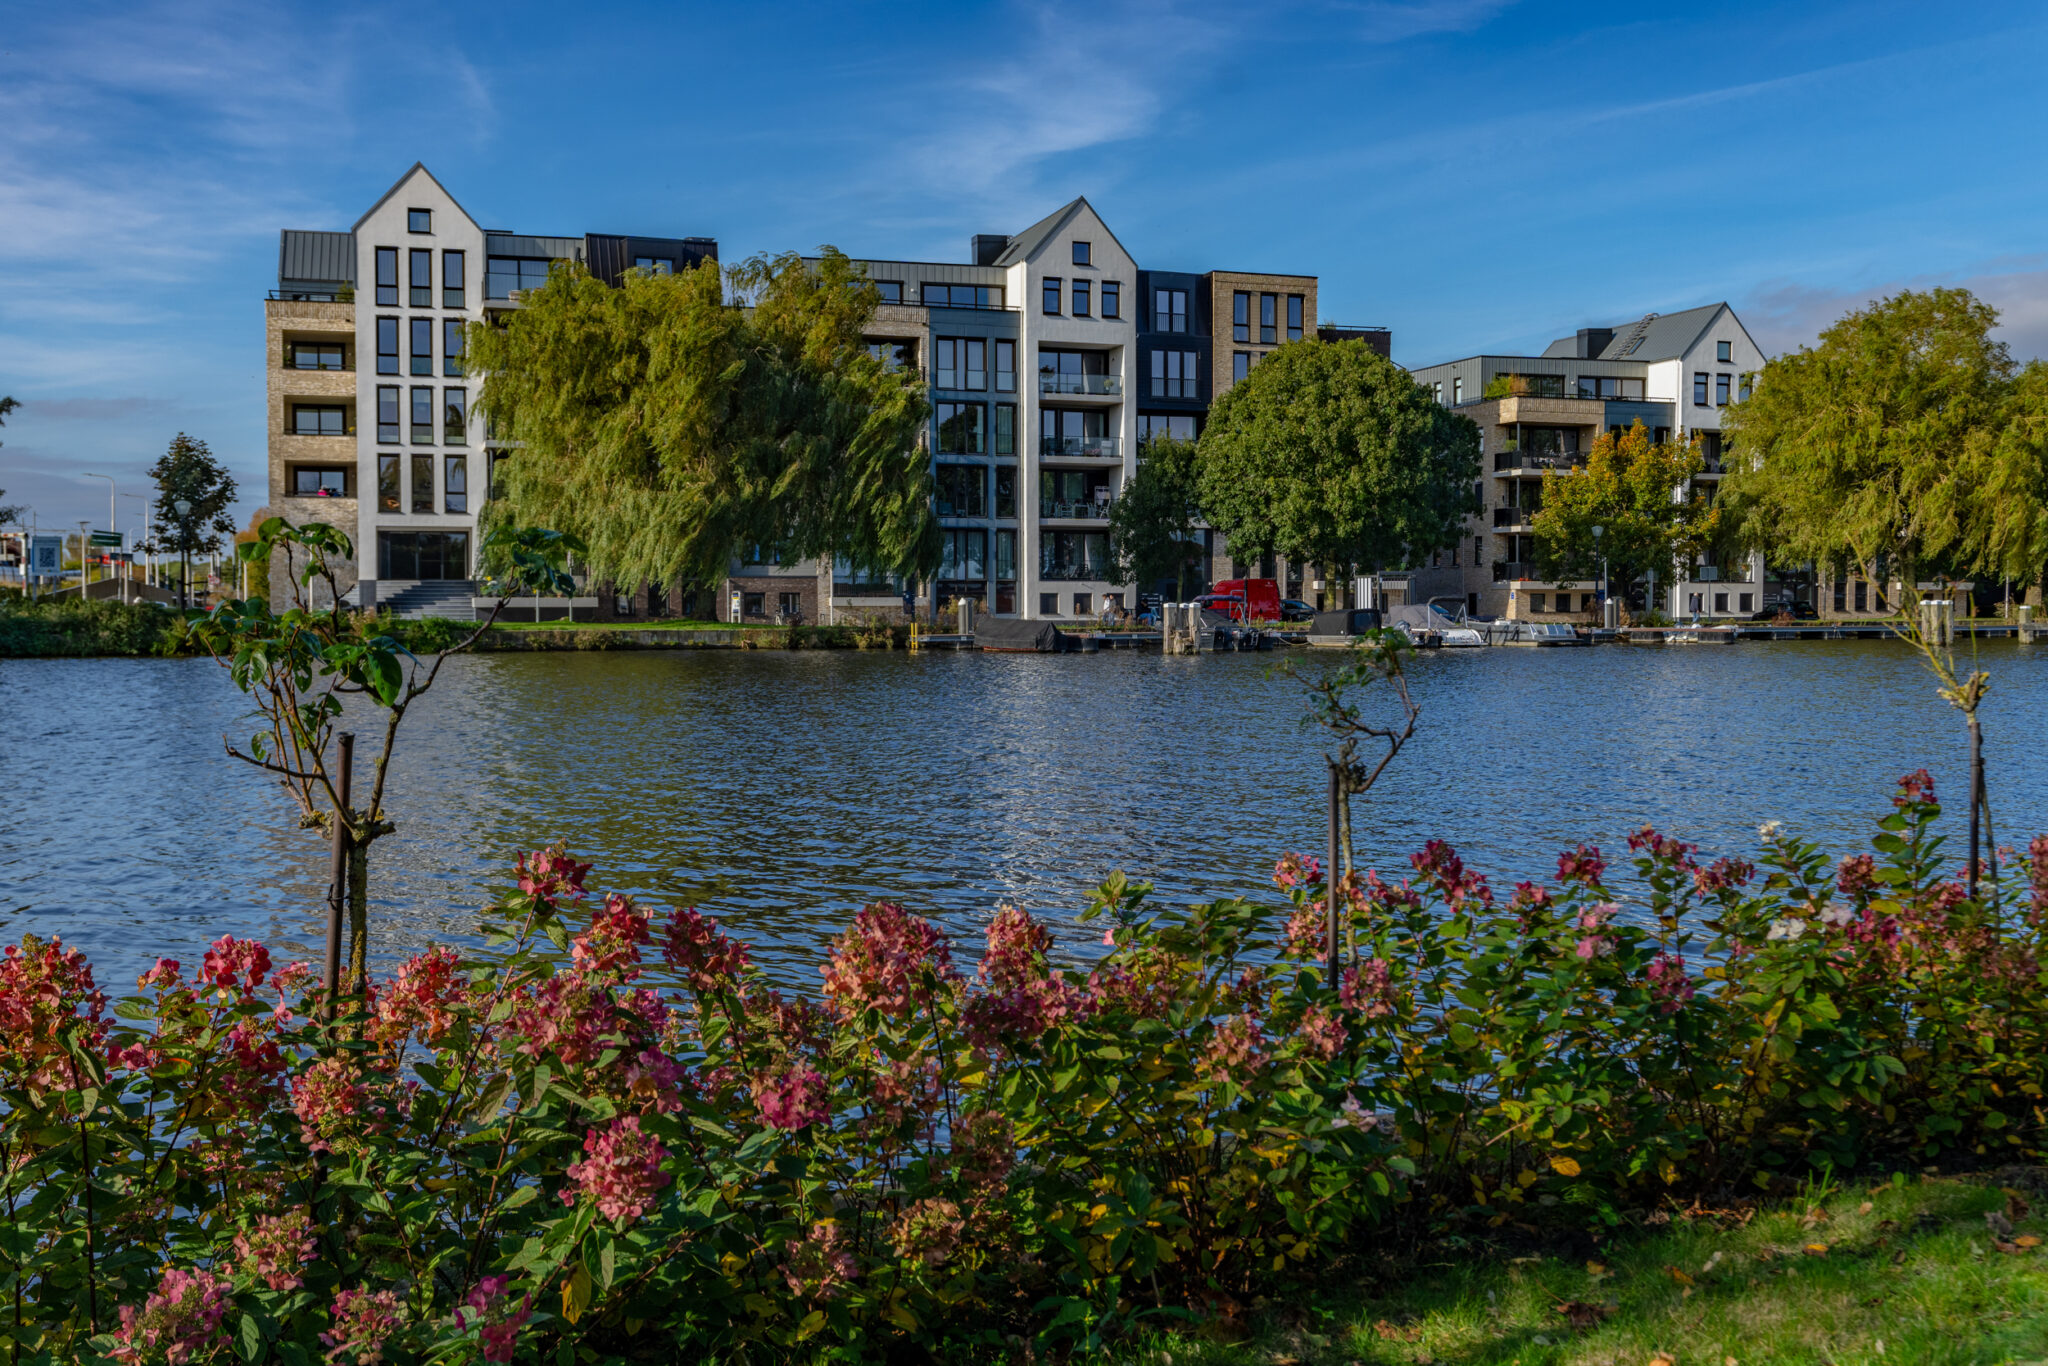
1654, 336
1032, 240
419, 167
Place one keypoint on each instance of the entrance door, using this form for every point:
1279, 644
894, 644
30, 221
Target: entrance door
406, 555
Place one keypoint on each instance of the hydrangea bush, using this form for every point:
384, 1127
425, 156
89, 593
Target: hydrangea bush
608, 1138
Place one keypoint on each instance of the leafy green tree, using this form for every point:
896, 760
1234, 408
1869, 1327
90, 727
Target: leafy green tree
2007, 528
1329, 453
1152, 524
188, 471
8, 513
1628, 489
1863, 446
672, 429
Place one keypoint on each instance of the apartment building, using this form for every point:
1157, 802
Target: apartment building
1676, 373
373, 420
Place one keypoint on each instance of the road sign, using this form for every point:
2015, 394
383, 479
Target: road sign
106, 538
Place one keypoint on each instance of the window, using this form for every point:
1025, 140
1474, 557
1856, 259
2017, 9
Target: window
1720, 603
1723, 352
387, 412
455, 483
1268, 308
1065, 431
423, 483
1457, 389
1006, 504
968, 296
313, 356
753, 604
1294, 308
789, 606
1048, 604
622, 604
1699, 389
1178, 426
1478, 551
1073, 555
1862, 595
1743, 600
1438, 386
422, 555
1174, 374
1006, 433
1081, 253
962, 490
1743, 389
504, 274
1721, 391
1075, 372
455, 417
960, 428
387, 346
1241, 316
422, 416
387, 484
894, 355
318, 481
1240, 365
452, 285
1006, 555
419, 220
654, 265
308, 420
890, 290
1535, 602
657, 602
1112, 299
451, 346
1051, 302
387, 277
494, 473
421, 266
1841, 595
1169, 310
1609, 386
1083, 604
423, 346
960, 363
1006, 367
963, 553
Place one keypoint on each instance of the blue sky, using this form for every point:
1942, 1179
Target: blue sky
1476, 174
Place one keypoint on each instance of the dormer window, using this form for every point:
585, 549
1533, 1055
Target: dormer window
419, 220
1081, 254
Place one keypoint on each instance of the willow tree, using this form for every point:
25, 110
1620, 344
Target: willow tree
1636, 491
1329, 453
671, 427
1862, 447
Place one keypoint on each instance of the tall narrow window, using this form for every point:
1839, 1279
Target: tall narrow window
423, 483
387, 484
387, 346
974, 361
1051, 302
1699, 389
1241, 316
423, 346
1457, 389
1006, 431
1081, 288
455, 483
387, 277
1294, 310
1006, 491
452, 284
1006, 367
387, 412
1112, 299
451, 346
1721, 391
422, 416
1268, 308
422, 270
1240, 365
455, 417
1169, 310
1742, 390
946, 363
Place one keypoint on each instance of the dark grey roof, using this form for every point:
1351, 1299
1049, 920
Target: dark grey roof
320, 257
421, 167
1027, 243
1654, 336
513, 244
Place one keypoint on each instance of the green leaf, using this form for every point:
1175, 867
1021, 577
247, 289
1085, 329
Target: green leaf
249, 1341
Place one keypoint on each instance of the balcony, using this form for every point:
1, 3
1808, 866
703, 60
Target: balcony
1092, 386
1505, 518
1097, 511
1080, 447
1509, 461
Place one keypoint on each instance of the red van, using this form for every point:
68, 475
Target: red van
1235, 596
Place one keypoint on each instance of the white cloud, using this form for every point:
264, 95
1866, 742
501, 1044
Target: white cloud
1394, 21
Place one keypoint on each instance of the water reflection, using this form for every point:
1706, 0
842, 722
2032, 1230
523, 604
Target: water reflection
781, 791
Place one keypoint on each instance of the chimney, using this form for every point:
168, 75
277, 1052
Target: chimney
1592, 341
988, 246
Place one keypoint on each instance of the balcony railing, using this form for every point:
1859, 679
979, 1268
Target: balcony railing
1088, 447
1081, 384
1512, 516
1530, 460
1513, 569
348, 429
1050, 509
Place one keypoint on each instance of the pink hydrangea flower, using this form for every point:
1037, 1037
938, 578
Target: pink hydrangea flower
929, 1232
1581, 864
47, 993
362, 1322
693, 945
608, 950
488, 1309
1369, 987
1307, 933
1020, 996
620, 1171
338, 1101
1668, 982
1440, 865
1236, 1050
984, 1149
891, 961
278, 1246
180, 1319
820, 1264
1322, 1033
421, 999
1295, 870
550, 876
792, 1098
1597, 943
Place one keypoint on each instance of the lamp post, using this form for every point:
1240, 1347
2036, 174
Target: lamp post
184, 511
149, 564
113, 519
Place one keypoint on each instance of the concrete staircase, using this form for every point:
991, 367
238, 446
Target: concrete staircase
427, 598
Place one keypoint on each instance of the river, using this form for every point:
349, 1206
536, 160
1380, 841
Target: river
781, 791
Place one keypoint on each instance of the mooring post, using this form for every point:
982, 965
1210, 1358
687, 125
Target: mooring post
337, 890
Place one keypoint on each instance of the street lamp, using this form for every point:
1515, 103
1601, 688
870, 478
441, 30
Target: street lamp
113, 519
184, 511
1598, 532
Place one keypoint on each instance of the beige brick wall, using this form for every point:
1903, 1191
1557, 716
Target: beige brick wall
288, 320
1223, 284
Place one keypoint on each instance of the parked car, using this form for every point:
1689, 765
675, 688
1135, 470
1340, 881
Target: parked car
1294, 609
1798, 611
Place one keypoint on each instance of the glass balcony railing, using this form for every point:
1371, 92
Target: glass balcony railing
1098, 510
1532, 460
1090, 447
1080, 384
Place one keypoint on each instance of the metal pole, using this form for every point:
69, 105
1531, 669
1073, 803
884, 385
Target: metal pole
1330, 877
337, 889
1976, 794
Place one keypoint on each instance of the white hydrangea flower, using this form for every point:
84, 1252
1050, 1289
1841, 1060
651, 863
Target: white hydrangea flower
1768, 831
1786, 927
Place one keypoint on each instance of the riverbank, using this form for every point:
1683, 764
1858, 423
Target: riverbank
1906, 1272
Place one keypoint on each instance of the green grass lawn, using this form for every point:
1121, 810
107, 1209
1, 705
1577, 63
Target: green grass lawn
1891, 1274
